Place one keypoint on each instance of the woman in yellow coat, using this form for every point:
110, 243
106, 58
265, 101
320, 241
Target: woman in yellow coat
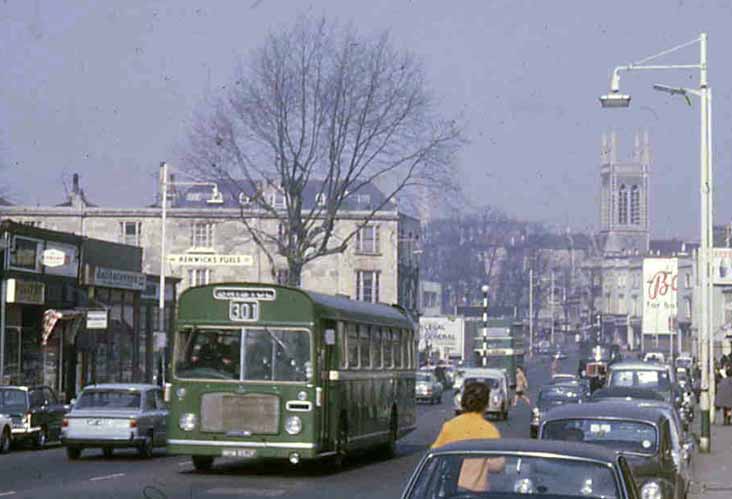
469, 426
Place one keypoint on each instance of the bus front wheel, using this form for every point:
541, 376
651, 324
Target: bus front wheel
202, 463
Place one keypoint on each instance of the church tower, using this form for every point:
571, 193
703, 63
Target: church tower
624, 201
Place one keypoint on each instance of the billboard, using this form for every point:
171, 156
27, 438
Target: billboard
722, 266
660, 284
445, 335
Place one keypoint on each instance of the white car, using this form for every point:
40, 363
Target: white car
496, 380
6, 425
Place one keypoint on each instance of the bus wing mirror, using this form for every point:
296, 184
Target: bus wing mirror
330, 337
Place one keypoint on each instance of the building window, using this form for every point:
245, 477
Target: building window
130, 232
33, 223
367, 286
623, 205
282, 276
244, 200
367, 240
277, 200
202, 235
635, 205
199, 277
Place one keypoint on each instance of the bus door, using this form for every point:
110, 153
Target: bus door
326, 362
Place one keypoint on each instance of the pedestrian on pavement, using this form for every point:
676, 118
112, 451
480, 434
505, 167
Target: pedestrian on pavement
470, 425
522, 387
723, 398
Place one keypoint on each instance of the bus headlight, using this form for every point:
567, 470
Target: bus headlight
187, 422
302, 396
293, 425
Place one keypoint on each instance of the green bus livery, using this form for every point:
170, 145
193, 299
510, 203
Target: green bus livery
267, 371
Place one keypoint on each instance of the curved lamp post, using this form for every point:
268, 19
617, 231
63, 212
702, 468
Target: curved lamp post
617, 100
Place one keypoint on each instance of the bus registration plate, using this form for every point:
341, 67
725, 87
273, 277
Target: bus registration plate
238, 452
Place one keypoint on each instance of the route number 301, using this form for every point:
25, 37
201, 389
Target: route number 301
243, 311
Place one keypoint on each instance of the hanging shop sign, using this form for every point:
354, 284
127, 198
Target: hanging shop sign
660, 277
60, 259
122, 279
212, 260
27, 292
96, 319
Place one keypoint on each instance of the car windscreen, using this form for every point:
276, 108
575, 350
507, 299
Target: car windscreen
109, 399
252, 354
640, 378
623, 435
424, 377
492, 383
510, 476
13, 401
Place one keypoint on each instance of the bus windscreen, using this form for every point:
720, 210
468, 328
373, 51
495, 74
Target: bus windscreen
269, 354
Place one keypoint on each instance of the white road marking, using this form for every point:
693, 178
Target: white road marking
8, 493
107, 477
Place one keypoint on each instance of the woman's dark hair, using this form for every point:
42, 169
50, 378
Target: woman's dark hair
728, 371
475, 397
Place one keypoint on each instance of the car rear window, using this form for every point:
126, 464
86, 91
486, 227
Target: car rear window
12, 400
108, 399
633, 436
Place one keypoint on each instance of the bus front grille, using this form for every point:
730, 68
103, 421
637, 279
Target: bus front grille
252, 413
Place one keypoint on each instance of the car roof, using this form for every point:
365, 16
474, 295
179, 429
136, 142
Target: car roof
122, 386
621, 392
482, 371
603, 409
561, 448
639, 365
24, 387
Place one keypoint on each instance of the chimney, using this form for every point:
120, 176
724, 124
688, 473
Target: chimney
75, 184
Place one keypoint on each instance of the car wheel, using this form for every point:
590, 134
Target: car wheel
73, 453
146, 448
41, 438
5, 441
107, 452
202, 463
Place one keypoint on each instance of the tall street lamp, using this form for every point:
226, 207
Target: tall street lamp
164, 184
614, 100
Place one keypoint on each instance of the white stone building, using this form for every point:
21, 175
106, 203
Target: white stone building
379, 265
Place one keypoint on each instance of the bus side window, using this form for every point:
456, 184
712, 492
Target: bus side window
387, 347
342, 345
365, 346
405, 348
352, 334
376, 347
397, 342
408, 349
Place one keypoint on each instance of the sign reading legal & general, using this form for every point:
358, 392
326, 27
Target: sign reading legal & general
121, 279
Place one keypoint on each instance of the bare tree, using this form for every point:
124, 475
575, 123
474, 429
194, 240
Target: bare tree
320, 105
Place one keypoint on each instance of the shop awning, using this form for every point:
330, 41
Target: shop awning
51, 317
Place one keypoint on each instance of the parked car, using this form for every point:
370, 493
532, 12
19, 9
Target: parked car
427, 388
551, 396
110, 416
6, 429
498, 384
512, 468
35, 411
641, 434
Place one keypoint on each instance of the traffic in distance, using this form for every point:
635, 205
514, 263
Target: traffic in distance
269, 372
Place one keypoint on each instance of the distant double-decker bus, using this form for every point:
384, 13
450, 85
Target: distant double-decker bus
266, 371
504, 346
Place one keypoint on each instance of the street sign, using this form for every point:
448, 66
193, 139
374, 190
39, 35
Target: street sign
53, 258
160, 339
211, 260
96, 319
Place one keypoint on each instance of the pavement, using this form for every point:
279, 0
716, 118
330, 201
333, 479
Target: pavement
713, 471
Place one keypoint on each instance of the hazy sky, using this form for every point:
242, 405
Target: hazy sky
107, 89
